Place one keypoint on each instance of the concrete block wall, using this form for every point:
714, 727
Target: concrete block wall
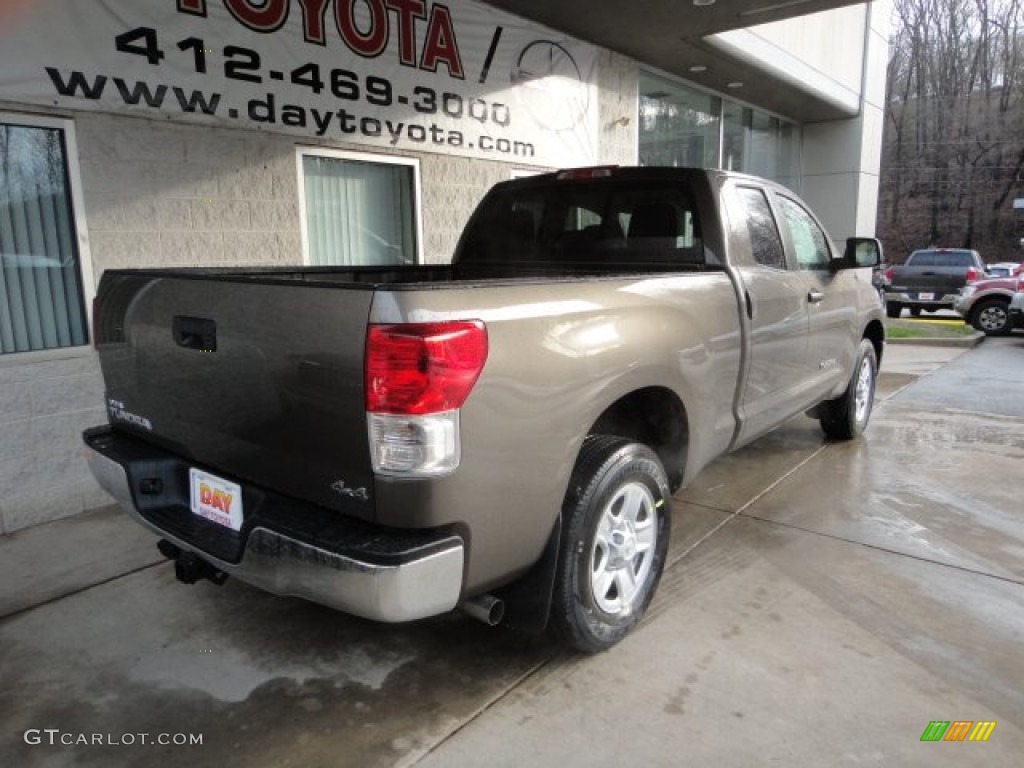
44, 406
158, 194
618, 85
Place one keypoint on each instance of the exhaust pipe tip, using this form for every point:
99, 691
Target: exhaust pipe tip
486, 608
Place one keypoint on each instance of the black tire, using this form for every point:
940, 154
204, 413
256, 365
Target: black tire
893, 309
847, 416
616, 521
992, 317
915, 311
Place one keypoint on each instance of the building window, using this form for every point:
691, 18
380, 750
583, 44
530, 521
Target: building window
683, 126
42, 304
359, 210
755, 142
735, 137
679, 126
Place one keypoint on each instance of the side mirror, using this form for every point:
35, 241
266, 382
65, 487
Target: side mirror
860, 252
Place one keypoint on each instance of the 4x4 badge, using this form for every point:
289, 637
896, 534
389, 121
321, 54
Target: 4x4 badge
338, 486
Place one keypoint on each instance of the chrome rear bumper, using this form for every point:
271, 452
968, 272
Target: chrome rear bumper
940, 301
420, 585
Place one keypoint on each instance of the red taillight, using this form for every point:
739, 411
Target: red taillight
973, 274
888, 275
422, 368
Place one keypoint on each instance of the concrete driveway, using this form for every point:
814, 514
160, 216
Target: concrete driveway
824, 603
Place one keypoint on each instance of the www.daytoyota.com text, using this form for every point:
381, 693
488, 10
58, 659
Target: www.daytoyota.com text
245, 65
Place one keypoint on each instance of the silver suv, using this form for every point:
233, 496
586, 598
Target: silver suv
1017, 310
985, 304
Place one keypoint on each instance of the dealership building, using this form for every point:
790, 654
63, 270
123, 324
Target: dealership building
203, 133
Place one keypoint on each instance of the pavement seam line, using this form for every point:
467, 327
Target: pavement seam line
915, 378
78, 591
740, 510
415, 759
835, 537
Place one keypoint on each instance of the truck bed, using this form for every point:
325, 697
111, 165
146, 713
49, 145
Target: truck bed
421, 276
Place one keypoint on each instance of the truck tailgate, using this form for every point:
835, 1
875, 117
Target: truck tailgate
256, 381
936, 279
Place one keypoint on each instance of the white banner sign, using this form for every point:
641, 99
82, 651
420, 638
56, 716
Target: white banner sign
457, 78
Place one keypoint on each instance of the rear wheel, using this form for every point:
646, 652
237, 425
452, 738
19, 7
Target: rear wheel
893, 309
847, 416
992, 317
616, 517
915, 311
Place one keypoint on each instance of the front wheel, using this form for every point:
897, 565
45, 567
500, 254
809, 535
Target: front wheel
616, 517
847, 416
992, 317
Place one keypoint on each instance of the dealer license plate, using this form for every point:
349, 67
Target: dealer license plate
216, 499
926, 296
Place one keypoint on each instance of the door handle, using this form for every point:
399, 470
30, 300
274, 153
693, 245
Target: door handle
815, 297
195, 333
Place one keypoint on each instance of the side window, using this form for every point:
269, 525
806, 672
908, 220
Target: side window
809, 240
41, 284
765, 240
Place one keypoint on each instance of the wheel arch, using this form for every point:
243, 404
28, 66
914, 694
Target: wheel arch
980, 301
875, 333
656, 417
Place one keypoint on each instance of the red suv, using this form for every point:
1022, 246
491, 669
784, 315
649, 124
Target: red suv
985, 304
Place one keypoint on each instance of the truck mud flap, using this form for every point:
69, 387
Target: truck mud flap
528, 599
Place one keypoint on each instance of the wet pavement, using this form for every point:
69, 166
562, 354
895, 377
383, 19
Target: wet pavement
822, 605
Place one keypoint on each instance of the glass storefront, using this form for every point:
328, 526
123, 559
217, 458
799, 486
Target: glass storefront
683, 126
679, 127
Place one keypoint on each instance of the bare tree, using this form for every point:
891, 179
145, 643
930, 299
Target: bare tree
954, 144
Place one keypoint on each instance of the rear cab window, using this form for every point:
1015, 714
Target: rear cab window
632, 224
941, 258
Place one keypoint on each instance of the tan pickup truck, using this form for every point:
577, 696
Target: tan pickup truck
501, 434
